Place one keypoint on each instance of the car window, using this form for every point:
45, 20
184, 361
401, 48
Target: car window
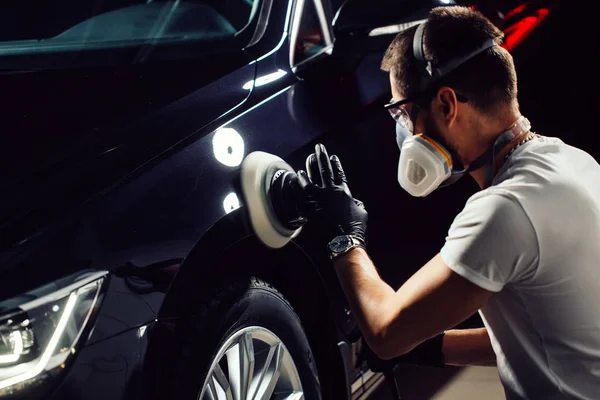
310, 35
120, 30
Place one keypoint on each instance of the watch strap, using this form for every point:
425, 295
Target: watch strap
354, 243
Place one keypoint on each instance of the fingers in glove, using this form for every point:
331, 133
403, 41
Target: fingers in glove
339, 176
325, 169
309, 204
305, 182
359, 204
312, 166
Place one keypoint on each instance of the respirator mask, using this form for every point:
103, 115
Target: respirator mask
426, 163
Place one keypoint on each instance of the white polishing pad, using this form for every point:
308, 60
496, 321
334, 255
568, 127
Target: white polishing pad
257, 172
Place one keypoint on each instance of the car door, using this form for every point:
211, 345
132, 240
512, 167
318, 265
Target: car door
81, 86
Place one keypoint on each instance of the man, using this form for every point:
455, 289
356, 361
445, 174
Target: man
525, 250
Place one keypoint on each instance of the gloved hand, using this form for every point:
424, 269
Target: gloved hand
333, 205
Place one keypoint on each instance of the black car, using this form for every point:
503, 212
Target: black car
129, 269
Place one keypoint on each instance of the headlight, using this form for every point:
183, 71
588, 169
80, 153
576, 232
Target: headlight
39, 331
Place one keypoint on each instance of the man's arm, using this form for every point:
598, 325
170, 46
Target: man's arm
435, 298
464, 347
394, 322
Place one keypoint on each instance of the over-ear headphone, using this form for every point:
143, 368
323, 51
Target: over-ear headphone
430, 74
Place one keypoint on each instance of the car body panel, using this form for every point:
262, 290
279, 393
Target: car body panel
109, 369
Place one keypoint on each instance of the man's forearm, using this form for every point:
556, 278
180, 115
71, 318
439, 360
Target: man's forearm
366, 292
463, 347
395, 322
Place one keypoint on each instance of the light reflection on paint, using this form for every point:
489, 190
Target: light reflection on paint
231, 203
228, 147
141, 331
263, 80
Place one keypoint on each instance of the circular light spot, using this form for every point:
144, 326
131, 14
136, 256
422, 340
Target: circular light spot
228, 146
55, 308
231, 203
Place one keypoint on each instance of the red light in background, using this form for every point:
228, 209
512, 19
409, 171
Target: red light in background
515, 11
521, 29
517, 32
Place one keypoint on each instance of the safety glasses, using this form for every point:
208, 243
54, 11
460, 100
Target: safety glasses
399, 113
402, 116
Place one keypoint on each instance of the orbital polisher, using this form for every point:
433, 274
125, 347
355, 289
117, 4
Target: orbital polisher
275, 201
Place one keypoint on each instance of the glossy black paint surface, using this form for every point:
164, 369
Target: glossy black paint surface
108, 370
115, 169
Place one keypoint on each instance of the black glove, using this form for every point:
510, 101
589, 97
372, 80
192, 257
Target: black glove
330, 196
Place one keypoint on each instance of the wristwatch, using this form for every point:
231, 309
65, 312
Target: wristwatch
343, 244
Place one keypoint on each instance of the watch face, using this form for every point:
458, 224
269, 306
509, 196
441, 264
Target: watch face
339, 244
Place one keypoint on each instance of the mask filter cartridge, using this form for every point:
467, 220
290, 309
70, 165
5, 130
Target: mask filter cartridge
423, 165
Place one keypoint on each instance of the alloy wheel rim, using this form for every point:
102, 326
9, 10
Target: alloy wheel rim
252, 364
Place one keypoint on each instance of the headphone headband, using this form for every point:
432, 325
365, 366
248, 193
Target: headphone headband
429, 74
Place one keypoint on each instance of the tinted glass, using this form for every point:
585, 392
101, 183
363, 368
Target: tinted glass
308, 32
55, 26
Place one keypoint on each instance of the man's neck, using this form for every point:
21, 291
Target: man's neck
479, 174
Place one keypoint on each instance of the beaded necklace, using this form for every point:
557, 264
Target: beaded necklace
522, 142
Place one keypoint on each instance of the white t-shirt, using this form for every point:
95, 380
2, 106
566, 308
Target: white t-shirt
533, 238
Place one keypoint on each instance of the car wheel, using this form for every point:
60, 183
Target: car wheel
245, 343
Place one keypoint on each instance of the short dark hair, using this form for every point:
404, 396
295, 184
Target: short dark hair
487, 79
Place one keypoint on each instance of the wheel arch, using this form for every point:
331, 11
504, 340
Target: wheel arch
230, 251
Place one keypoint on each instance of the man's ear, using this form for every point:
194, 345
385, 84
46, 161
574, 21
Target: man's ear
448, 104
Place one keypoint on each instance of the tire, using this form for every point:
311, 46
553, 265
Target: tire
247, 309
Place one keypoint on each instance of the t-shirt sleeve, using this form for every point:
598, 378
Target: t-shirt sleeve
492, 242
